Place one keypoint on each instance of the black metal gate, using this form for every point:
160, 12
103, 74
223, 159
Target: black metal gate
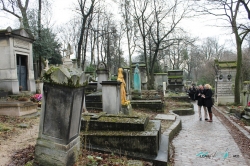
22, 71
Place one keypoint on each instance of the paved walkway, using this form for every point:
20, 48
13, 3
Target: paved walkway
203, 143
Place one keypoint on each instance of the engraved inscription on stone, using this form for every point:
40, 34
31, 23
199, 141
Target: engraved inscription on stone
224, 89
21, 44
3, 43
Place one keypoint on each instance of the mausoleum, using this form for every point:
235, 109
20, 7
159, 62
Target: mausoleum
224, 81
16, 65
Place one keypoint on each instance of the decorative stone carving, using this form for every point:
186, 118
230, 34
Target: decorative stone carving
21, 44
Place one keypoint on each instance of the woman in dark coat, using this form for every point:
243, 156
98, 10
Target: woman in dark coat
208, 100
192, 92
201, 101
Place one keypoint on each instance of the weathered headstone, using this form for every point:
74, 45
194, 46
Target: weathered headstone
111, 98
224, 81
58, 141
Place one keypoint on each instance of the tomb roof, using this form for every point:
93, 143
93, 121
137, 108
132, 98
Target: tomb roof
225, 64
19, 33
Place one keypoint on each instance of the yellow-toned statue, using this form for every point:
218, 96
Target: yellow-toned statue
123, 86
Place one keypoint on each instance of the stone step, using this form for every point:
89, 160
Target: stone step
110, 122
155, 105
94, 97
135, 143
246, 117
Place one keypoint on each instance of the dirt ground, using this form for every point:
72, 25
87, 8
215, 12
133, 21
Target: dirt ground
15, 134
18, 137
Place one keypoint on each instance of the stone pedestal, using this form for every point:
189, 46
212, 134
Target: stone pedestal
102, 75
164, 88
126, 109
58, 141
111, 97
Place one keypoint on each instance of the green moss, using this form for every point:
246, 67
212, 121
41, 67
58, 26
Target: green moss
64, 76
246, 82
160, 73
226, 64
4, 128
175, 77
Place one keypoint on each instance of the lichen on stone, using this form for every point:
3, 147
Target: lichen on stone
65, 76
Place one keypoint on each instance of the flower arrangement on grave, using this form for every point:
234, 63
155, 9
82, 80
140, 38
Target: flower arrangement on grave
64, 76
36, 98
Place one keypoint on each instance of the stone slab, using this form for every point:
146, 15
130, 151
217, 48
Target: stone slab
148, 104
246, 117
17, 108
110, 122
165, 117
142, 142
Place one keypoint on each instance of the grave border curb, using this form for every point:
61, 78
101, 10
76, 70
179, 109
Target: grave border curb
241, 129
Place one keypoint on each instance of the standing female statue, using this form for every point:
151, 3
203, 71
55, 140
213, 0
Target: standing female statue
123, 86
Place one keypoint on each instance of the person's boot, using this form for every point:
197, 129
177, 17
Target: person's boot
210, 117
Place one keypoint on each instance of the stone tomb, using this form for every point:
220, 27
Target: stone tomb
16, 65
133, 136
226, 71
94, 100
175, 80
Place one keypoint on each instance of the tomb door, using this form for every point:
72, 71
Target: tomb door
22, 71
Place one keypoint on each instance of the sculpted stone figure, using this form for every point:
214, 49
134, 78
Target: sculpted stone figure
123, 86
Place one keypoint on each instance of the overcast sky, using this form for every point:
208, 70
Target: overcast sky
197, 27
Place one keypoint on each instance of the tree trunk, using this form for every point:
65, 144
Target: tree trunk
237, 87
79, 48
39, 36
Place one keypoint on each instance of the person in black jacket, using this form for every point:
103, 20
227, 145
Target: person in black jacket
192, 92
201, 101
208, 101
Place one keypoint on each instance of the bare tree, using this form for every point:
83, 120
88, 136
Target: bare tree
85, 12
211, 49
17, 9
229, 10
162, 27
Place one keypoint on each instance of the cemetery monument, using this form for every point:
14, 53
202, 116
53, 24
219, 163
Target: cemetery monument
224, 81
16, 65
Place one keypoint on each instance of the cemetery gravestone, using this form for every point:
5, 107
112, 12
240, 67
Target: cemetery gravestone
58, 141
224, 81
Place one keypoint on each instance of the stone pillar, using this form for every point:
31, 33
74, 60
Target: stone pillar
58, 141
164, 88
127, 80
102, 74
111, 97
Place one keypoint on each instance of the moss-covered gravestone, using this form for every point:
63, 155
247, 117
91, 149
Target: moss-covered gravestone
58, 142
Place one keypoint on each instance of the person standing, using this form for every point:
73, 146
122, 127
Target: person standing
208, 101
192, 92
201, 102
